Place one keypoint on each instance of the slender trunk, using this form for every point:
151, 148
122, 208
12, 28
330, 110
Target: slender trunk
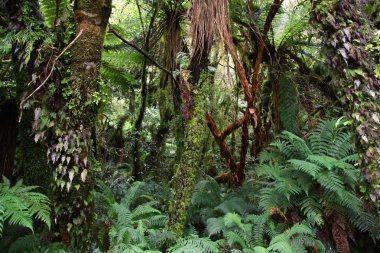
193, 109
137, 173
169, 98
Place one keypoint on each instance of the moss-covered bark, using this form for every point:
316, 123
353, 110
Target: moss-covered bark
189, 167
346, 35
74, 209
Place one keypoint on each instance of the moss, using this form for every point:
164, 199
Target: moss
31, 156
190, 165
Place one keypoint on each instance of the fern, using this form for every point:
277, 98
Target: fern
288, 104
19, 205
49, 10
194, 244
25, 243
314, 176
135, 219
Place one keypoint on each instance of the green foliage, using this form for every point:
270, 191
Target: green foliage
33, 244
24, 244
288, 104
49, 11
135, 220
19, 204
315, 176
28, 39
194, 245
291, 24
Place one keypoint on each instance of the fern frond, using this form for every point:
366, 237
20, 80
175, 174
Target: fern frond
269, 170
312, 209
231, 205
305, 166
288, 104
260, 249
132, 194
234, 238
157, 238
26, 243
215, 226
232, 220
281, 244
298, 229
258, 228
196, 245
19, 205
144, 211
330, 181
48, 10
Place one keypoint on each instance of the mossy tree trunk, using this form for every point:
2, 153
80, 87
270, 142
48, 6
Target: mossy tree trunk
355, 81
74, 207
189, 167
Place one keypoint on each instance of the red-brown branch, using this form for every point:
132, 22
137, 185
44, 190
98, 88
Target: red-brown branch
240, 175
233, 126
250, 115
224, 149
259, 59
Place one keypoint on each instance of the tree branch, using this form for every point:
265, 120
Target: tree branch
143, 52
224, 149
259, 59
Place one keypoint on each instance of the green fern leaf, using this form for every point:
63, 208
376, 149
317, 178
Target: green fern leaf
26, 243
260, 249
307, 167
48, 9
288, 104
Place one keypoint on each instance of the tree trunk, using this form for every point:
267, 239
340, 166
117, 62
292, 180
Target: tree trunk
8, 137
75, 207
137, 173
193, 109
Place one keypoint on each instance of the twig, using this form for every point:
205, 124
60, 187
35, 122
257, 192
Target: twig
51, 70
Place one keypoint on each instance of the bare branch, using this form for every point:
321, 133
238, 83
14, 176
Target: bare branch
143, 52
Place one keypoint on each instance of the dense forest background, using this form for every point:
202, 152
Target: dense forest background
190, 126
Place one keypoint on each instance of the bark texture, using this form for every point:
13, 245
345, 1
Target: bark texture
8, 137
75, 208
